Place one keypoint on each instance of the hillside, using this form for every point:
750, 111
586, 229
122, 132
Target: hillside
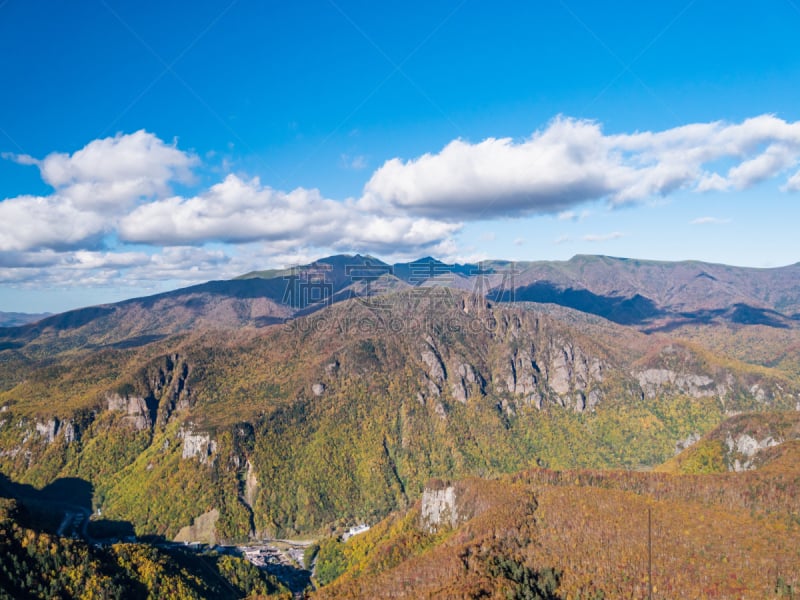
38, 564
343, 415
580, 534
741, 443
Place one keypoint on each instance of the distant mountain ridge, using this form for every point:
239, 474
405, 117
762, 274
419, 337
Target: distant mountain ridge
649, 295
15, 319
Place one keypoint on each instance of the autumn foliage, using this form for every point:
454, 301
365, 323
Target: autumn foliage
713, 536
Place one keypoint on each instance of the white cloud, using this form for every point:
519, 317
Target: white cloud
185, 265
234, 210
708, 221
571, 215
111, 173
572, 161
238, 211
93, 187
28, 222
562, 166
356, 163
603, 237
122, 188
769, 163
792, 184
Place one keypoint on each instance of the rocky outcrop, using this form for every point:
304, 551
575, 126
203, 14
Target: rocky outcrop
558, 372
167, 382
441, 371
250, 485
689, 440
743, 448
438, 508
758, 393
332, 368
197, 445
522, 375
48, 429
139, 413
467, 381
435, 366
155, 394
54, 427
657, 381
434, 375
447, 505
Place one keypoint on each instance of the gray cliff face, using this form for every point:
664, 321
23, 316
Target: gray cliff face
688, 441
743, 448
468, 379
438, 509
528, 365
250, 485
137, 412
159, 391
54, 427
446, 505
434, 371
197, 445
433, 361
527, 361
655, 381
676, 369
48, 429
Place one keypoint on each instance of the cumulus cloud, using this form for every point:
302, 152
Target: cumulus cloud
123, 188
46, 222
572, 161
792, 184
111, 173
93, 187
234, 210
557, 168
238, 211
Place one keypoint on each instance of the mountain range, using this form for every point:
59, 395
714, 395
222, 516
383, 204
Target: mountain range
648, 295
306, 400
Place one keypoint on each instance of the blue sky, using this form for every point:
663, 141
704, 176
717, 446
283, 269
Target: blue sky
150, 145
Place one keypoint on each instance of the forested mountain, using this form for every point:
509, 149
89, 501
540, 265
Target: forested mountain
583, 534
301, 402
